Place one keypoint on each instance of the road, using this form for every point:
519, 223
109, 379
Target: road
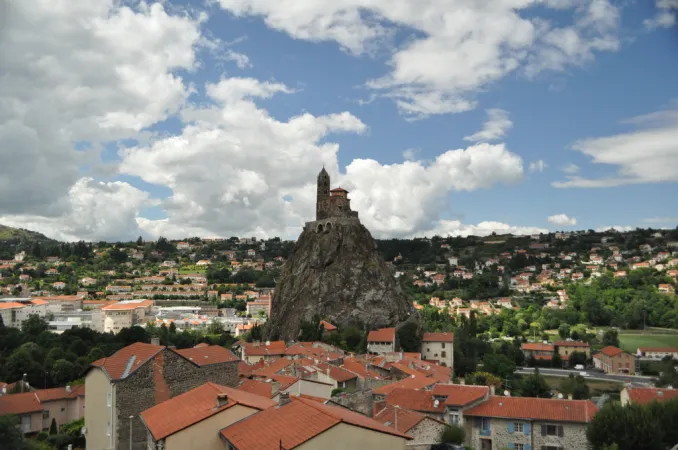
593, 375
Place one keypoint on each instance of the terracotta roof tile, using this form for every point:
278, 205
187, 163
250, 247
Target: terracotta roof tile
128, 359
536, 409
382, 335
647, 395
262, 349
460, 395
537, 346
60, 393
414, 400
438, 337
274, 367
407, 383
205, 355
293, 424
328, 326
24, 403
572, 344
184, 410
611, 351
257, 387
359, 368
336, 373
406, 419
659, 349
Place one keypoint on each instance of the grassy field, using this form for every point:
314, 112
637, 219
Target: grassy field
631, 342
595, 385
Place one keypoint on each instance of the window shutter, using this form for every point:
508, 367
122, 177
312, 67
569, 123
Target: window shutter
510, 445
560, 431
543, 430
510, 427
528, 447
526, 428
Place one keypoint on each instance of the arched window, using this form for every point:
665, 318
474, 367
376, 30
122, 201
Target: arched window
320, 228
328, 227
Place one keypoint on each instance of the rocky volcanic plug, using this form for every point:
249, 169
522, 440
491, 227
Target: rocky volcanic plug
336, 272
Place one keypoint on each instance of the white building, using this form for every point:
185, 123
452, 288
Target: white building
15, 310
438, 347
125, 314
657, 352
381, 341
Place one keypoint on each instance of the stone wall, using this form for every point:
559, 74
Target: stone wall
380, 348
134, 395
358, 401
182, 375
425, 433
574, 434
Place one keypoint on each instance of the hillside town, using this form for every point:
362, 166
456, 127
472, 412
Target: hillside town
199, 356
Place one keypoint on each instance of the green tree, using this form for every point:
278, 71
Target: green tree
94, 354
500, 365
311, 331
535, 385
64, 371
452, 434
576, 387
611, 337
53, 427
215, 327
34, 325
576, 358
564, 331
409, 338
10, 433
630, 427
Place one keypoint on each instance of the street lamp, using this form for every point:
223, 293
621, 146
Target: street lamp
130, 432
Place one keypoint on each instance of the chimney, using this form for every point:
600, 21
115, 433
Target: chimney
462, 381
569, 396
68, 388
283, 398
155, 341
492, 390
222, 399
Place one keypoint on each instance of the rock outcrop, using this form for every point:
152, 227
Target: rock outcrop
335, 272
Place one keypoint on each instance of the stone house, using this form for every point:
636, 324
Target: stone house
256, 351
538, 350
381, 341
522, 423
457, 398
615, 360
425, 430
642, 395
421, 401
438, 347
566, 348
140, 376
193, 419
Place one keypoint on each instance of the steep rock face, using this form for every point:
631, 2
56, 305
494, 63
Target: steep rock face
338, 275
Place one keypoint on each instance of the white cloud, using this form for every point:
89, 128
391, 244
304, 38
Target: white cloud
537, 166
234, 167
456, 228
666, 15
647, 155
661, 220
562, 220
94, 211
81, 71
241, 60
456, 48
620, 228
410, 154
570, 168
494, 128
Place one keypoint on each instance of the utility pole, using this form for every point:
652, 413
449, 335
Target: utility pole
130, 432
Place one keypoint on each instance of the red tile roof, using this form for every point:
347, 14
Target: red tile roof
274, 367
293, 424
20, 403
327, 326
405, 419
205, 355
263, 349
336, 373
647, 395
537, 346
535, 409
184, 410
407, 383
126, 360
257, 387
382, 335
60, 393
572, 344
438, 337
414, 400
404, 368
460, 395
360, 368
611, 351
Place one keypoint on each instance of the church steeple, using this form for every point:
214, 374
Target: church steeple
322, 201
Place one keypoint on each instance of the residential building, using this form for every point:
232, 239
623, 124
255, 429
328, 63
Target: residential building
255, 351
666, 289
125, 314
140, 376
15, 310
523, 423
301, 423
615, 360
457, 398
657, 352
37, 409
566, 348
62, 303
643, 395
425, 430
381, 341
192, 420
421, 401
438, 347
540, 351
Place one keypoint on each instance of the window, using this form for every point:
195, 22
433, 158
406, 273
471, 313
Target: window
45, 414
552, 430
551, 447
109, 399
443, 354
443, 345
518, 427
518, 446
484, 424
63, 409
454, 418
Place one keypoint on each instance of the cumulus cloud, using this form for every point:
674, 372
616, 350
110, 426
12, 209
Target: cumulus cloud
620, 228
570, 168
456, 48
94, 211
562, 220
81, 73
666, 15
456, 228
494, 128
646, 155
537, 166
237, 170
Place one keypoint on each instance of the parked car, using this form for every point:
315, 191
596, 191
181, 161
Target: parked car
579, 367
584, 374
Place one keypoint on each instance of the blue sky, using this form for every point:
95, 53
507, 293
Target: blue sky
167, 156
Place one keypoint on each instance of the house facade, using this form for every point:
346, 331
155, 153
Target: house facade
381, 341
438, 347
615, 360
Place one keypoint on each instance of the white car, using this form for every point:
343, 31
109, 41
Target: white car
584, 374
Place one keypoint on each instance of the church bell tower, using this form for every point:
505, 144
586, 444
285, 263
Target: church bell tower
323, 198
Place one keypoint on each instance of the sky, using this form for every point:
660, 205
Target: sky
212, 118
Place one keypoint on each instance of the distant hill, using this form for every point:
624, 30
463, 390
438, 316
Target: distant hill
9, 234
